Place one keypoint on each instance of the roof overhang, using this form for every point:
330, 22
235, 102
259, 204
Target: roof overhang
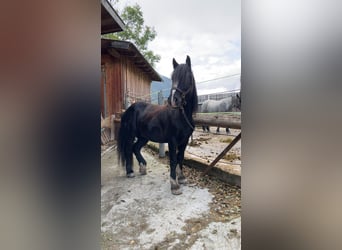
110, 20
117, 48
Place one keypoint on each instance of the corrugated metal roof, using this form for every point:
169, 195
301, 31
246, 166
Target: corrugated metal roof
129, 49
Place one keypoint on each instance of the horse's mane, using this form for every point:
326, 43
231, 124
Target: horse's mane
183, 74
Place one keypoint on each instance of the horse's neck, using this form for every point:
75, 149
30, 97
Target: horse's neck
188, 109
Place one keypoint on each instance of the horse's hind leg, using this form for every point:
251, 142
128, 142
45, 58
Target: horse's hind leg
129, 163
179, 169
136, 149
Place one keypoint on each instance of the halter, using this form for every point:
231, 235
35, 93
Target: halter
183, 94
183, 103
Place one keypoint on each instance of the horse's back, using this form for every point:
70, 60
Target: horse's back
138, 106
211, 106
223, 105
135, 109
132, 113
226, 104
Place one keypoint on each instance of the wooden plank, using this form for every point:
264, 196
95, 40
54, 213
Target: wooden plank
104, 139
110, 20
223, 153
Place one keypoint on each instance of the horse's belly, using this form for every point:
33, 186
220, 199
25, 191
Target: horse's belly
159, 136
155, 134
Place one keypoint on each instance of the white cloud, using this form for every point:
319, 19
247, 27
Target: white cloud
210, 91
219, 85
208, 31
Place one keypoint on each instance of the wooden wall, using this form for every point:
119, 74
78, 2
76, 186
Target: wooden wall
112, 76
137, 82
123, 81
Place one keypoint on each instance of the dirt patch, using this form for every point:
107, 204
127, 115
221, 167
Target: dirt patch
218, 235
226, 204
204, 147
198, 141
209, 145
231, 157
227, 140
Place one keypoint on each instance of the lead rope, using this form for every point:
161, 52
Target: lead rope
181, 107
186, 119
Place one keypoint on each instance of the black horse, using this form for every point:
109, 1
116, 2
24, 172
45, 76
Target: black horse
171, 123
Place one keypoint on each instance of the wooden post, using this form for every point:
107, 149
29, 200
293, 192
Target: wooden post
224, 152
161, 145
220, 120
112, 129
161, 150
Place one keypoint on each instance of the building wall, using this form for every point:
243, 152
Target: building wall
137, 83
111, 77
125, 84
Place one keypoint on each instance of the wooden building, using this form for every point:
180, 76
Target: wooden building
126, 76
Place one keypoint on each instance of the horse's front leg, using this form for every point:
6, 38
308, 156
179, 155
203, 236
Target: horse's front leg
179, 169
175, 188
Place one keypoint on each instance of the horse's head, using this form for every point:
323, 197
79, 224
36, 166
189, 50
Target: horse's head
183, 91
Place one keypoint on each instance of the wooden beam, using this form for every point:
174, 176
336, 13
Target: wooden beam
219, 120
109, 15
113, 53
223, 153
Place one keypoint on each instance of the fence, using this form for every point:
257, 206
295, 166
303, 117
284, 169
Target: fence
131, 98
217, 96
159, 98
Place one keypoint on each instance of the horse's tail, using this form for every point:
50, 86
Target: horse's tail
126, 136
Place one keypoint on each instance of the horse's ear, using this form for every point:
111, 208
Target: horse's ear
188, 62
175, 64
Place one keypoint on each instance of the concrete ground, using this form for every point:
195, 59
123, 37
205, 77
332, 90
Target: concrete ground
141, 212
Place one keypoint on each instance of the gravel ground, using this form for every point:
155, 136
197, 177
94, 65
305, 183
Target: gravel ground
209, 145
141, 213
226, 204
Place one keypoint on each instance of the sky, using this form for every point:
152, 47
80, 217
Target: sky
208, 31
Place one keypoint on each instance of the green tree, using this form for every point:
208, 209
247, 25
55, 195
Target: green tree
136, 31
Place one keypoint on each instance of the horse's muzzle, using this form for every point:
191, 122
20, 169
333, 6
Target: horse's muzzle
173, 100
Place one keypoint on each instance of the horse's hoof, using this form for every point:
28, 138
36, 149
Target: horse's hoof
183, 181
130, 175
175, 188
176, 191
142, 169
